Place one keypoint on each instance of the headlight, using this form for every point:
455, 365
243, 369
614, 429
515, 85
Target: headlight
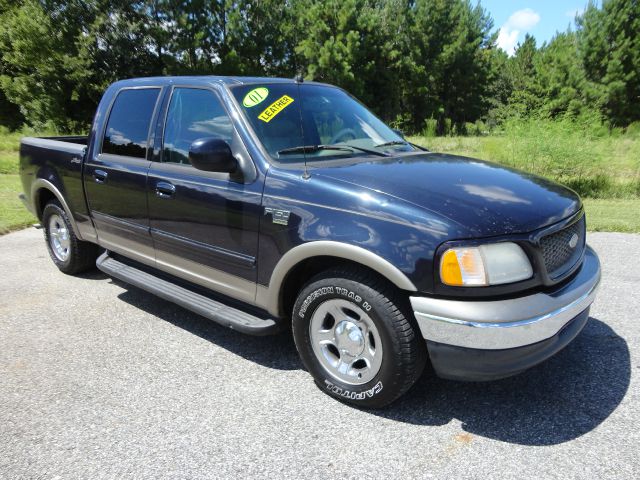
492, 264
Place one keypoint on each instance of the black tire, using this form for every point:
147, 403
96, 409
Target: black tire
81, 255
404, 351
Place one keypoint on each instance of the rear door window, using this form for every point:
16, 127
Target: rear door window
127, 131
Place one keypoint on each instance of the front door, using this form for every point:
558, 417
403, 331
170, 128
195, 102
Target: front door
115, 178
204, 225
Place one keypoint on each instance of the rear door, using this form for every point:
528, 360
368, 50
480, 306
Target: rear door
116, 176
204, 224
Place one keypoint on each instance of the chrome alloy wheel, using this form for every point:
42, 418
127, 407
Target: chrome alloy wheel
345, 341
59, 238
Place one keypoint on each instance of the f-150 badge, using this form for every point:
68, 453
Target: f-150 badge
280, 217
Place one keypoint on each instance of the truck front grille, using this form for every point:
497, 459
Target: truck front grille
561, 250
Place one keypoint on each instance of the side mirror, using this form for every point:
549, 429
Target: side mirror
212, 155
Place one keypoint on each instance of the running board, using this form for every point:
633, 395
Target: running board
202, 305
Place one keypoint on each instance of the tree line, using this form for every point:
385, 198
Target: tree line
419, 64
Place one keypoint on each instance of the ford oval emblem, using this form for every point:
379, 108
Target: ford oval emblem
573, 241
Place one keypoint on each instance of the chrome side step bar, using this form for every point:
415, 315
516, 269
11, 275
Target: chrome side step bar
202, 305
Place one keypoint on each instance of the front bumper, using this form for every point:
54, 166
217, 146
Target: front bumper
483, 340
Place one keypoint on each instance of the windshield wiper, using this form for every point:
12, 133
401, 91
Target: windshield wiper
311, 149
392, 142
317, 148
401, 142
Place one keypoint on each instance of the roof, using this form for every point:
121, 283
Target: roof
202, 80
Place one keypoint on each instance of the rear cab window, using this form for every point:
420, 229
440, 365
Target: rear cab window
127, 130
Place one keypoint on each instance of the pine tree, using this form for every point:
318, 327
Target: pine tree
610, 51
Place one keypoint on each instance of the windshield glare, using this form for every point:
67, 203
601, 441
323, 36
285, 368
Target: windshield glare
288, 115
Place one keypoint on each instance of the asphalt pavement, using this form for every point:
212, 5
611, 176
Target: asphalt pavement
101, 380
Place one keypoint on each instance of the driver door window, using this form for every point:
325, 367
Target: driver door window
193, 114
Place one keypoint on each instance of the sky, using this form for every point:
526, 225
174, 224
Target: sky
540, 18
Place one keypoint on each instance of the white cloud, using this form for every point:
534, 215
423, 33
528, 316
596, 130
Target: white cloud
519, 22
523, 19
508, 39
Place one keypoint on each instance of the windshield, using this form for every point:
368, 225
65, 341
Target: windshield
298, 122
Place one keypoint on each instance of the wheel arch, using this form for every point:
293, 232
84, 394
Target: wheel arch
328, 254
43, 191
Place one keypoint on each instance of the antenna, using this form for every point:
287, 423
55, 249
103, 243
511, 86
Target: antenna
299, 79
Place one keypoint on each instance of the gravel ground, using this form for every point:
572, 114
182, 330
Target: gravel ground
100, 380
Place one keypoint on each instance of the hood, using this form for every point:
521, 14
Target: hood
483, 198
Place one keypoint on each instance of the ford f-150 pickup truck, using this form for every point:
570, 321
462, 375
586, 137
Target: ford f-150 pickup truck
265, 204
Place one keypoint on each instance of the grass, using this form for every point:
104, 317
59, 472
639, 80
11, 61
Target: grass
592, 160
603, 167
613, 215
9, 145
13, 214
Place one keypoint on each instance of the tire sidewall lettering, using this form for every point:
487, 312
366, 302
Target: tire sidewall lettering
333, 291
353, 395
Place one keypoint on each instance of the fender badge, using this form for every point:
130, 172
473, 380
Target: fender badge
279, 217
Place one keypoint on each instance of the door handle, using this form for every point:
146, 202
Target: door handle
100, 176
165, 189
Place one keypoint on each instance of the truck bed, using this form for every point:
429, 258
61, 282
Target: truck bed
58, 161
73, 143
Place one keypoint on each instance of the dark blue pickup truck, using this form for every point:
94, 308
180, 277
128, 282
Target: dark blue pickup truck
265, 204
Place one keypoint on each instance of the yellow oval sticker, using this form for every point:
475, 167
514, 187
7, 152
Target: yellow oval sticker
255, 96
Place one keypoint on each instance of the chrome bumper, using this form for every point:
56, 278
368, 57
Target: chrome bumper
501, 324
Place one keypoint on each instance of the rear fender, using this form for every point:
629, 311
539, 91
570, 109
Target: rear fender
37, 188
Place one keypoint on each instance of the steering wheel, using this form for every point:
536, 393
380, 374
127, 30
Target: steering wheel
338, 137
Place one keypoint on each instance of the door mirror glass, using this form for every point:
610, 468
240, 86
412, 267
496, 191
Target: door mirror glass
212, 155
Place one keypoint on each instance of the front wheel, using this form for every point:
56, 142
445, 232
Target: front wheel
354, 337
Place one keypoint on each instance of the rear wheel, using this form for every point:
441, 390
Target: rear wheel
68, 253
354, 337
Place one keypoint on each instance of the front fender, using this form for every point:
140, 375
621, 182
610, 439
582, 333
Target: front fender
269, 296
328, 218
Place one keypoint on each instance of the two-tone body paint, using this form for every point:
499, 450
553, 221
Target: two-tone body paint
61, 168
403, 208
325, 209
400, 208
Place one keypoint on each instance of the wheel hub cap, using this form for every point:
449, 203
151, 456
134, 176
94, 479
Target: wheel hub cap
59, 238
345, 341
349, 339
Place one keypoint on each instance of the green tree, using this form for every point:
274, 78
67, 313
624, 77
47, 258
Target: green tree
10, 115
355, 44
499, 88
610, 50
37, 65
450, 48
559, 80
260, 38
59, 56
520, 71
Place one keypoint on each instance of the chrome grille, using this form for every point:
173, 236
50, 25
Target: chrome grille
557, 251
